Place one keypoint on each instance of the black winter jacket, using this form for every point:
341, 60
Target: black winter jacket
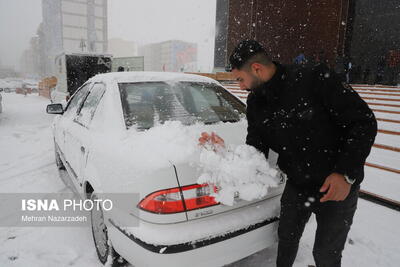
317, 124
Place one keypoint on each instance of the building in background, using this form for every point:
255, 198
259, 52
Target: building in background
173, 56
221, 35
72, 26
375, 40
30, 59
7, 72
128, 64
362, 32
125, 55
285, 28
122, 48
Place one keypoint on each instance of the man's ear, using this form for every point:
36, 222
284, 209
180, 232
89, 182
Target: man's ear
255, 67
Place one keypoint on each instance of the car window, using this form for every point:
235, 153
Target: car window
211, 101
147, 104
76, 101
88, 109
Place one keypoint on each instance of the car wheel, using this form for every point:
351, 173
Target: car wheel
59, 163
102, 243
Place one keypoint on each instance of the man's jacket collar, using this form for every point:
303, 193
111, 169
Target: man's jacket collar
271, 88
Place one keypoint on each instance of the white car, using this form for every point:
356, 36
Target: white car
104, 140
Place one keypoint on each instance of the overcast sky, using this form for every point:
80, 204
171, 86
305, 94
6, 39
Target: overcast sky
148, 21
19, 20
142, 21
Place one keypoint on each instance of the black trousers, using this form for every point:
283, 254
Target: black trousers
334, 219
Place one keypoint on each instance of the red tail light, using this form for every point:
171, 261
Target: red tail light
177, 199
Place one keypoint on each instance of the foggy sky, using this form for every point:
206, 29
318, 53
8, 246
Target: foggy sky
146, 21
142, 21
19, 21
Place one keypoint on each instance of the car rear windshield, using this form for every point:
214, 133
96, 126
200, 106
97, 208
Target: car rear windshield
146, 104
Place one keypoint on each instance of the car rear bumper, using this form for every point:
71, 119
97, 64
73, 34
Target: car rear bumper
216, 251
216, 254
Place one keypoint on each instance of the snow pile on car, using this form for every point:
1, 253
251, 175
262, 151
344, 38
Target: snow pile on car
142, 152
164, 144
239, 171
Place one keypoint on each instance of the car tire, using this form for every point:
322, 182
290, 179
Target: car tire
59, 163
102, 243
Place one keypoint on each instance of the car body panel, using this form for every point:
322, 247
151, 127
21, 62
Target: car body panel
101, 165
165, 244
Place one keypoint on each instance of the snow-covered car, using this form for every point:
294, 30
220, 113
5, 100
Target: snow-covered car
137, 133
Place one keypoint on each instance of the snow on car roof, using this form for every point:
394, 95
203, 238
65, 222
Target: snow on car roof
140, 76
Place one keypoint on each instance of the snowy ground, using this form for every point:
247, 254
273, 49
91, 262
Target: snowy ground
27, 165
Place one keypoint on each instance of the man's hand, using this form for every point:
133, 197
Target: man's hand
336, 187
212, 139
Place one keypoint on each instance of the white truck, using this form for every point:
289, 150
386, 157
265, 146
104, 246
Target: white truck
72, 70
127, 64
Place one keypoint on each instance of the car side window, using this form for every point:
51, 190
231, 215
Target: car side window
76, 101
88, 109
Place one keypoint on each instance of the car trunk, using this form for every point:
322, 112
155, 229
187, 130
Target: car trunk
184, 172
188, 174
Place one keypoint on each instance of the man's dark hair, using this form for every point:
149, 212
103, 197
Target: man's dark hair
246, 53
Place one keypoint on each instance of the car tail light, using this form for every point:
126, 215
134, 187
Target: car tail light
177, 199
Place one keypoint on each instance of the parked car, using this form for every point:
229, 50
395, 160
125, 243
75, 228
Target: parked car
178, 222
1, 105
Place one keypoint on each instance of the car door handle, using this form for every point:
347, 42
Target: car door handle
82, 149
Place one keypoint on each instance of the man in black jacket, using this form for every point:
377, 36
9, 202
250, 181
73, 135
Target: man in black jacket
323, 132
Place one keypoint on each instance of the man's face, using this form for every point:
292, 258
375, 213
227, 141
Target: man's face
246, 78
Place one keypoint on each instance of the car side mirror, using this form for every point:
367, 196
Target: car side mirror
55, 109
